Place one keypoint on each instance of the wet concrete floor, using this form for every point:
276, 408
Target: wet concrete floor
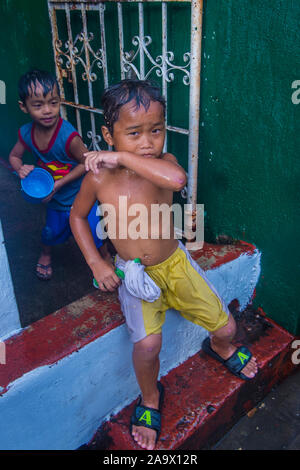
21, 224
274, 424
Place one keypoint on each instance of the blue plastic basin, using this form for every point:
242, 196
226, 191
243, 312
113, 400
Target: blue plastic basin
37, 185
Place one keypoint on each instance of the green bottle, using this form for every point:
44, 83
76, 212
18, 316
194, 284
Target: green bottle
118, 272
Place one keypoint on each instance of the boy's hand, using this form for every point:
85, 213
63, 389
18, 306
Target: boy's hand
24, 171
106, 277
56, 187
104, 159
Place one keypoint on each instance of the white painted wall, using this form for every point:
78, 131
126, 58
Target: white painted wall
9, 313
61, 406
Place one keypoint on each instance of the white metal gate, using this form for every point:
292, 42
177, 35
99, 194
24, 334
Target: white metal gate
77, 50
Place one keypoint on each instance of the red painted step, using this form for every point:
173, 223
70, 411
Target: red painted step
81, 322
202, 399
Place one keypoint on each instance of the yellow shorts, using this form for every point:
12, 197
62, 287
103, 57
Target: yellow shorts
184, 287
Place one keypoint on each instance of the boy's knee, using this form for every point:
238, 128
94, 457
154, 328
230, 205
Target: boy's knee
149, 347
52, 235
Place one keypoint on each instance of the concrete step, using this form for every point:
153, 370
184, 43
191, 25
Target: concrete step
202, 399
68, 373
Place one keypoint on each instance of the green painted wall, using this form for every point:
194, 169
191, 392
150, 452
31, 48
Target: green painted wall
249, 164
249, 132
25, 42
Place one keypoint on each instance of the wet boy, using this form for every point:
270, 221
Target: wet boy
58, 149
139, 170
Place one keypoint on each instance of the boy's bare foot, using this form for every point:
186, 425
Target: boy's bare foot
43, 267
144, 437
236, 358
147, 412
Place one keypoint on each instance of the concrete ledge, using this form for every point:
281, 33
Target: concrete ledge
69, 372
202, 399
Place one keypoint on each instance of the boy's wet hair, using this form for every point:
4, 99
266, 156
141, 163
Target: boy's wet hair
30, 80
116, 96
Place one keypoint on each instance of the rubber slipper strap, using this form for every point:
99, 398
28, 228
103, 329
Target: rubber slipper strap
238, 360
235, 363
161, 395
208, 350
147, 417
45, 276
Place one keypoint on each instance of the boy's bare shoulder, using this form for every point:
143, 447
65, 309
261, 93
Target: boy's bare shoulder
94, 182
97, 178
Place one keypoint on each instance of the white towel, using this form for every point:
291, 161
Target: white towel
137, 281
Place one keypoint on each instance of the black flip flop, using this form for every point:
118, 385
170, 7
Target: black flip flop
234, 363
148, 417
43, 276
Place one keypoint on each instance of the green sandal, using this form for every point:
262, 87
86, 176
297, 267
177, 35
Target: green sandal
148, 417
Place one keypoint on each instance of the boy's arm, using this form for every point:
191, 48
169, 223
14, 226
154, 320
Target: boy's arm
76, 151
103, 272
164, 172
16, 160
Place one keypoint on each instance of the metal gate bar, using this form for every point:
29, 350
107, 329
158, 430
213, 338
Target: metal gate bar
163, 65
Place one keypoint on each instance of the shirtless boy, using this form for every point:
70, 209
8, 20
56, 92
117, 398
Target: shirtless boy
138, 169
